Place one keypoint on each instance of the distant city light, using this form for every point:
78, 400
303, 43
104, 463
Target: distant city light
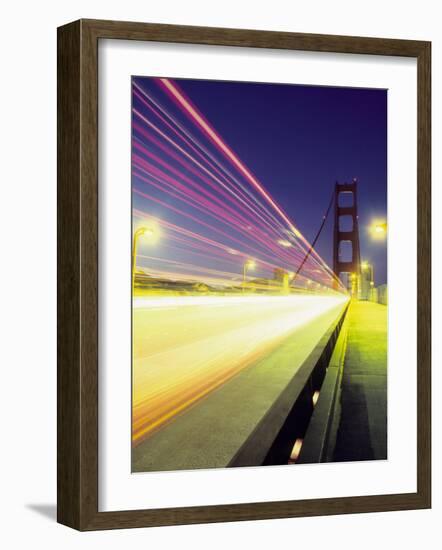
284, 243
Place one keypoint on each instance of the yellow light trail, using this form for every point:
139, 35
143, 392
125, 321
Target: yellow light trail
185, 347
198, 274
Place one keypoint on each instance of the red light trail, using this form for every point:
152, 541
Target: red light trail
214, 214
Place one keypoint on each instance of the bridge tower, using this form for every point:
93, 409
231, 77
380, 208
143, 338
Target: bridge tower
346, 251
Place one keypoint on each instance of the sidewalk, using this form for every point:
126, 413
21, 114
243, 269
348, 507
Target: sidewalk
362, 430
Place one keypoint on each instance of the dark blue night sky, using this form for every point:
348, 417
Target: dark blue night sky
300, 140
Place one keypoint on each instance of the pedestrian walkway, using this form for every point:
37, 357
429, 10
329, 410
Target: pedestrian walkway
362, 429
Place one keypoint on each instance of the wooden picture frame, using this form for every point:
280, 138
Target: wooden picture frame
78, 274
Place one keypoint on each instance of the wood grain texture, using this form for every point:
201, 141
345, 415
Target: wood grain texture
252, 38
424, 274
68, 276
77, 225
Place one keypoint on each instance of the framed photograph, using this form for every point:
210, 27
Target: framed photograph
243, 275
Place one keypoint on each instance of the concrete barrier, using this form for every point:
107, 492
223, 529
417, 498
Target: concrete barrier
272, 440
319, 440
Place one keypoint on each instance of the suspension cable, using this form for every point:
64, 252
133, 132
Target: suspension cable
324, 219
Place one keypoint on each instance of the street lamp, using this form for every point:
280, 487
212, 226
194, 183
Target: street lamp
248, 264
138, 233
378, 230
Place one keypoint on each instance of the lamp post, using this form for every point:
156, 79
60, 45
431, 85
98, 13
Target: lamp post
353, 284
248, 264
365, 266
138, 233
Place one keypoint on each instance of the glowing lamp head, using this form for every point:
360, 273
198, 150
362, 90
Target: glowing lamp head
149, 231
378, 230
146, 231
250, 264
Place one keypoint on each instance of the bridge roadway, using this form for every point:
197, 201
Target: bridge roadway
362, 431
207, 369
